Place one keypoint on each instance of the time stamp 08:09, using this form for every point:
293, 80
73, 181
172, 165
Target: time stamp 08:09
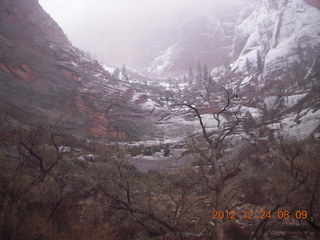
281, 214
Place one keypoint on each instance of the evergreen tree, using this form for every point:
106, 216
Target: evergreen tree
199, 73
300, 53
116, 73
170, 82
124, 72
166, 151
205, 76
185, 80
210, 80
89, 55
190, 75
259, 62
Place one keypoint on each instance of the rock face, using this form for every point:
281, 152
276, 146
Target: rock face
276, 68
272, 46
278, 37
43, 77
199, 37
273, 50
274, 31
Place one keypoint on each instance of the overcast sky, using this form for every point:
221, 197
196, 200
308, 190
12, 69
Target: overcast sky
113, 29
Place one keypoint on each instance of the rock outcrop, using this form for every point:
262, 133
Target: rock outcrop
43, 77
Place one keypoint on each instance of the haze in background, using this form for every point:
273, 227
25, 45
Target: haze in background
120, 32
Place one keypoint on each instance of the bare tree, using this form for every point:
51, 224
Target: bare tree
294, 189
159, 205
216, 173
33, 154
302, 172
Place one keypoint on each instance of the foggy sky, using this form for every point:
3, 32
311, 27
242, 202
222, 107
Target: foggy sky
117, 31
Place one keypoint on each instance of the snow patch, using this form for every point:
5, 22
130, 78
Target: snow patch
290, 101
255, 112
109, 68
270, 102
298, 126
246, 80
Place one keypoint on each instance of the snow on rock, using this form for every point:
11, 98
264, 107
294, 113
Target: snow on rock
308, 124
136, 96
255, 112
150, 104
109, 68
317, 136
164, 61
184, 127
255, 28
246, 80
291, 101
298, 126
87, 157
271, 102
276, 33
250, 58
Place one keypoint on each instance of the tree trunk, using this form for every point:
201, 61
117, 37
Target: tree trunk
220, 206
219, 229
14, 221
3, 216
8, 220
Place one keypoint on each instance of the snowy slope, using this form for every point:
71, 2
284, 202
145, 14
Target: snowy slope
284, 33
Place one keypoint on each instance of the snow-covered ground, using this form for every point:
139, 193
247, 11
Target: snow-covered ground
255, 112
108, 68
298, 126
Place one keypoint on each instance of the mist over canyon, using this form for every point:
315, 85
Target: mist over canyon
139, 119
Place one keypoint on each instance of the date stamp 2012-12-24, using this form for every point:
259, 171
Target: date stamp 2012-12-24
281, 214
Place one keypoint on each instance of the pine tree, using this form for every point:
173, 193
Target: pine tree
185, 80
300, 53
116, 73
205, 76
166, 151
259, 62
124, 72
89, 55
170, 82
210, 80
199, 74
190, 75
